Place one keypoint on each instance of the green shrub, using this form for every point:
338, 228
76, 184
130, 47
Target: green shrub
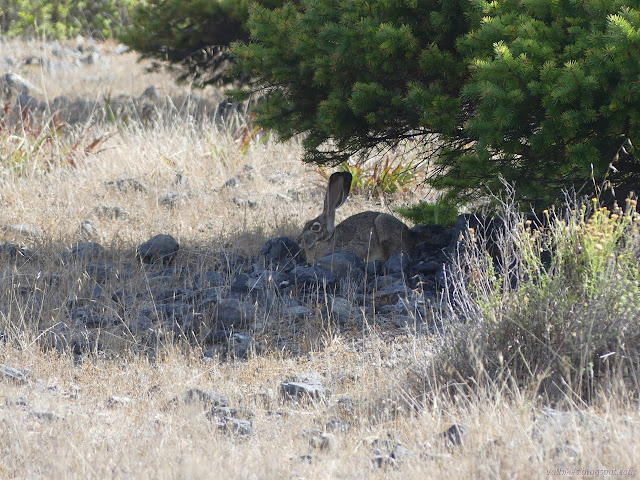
541, 93
564, 323
64, 18
442, 212
193, 35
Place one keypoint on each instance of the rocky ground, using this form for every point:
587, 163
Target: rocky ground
158, 319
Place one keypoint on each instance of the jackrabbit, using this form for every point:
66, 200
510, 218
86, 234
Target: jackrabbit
370, 235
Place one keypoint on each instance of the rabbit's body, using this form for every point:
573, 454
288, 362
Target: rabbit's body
370, 235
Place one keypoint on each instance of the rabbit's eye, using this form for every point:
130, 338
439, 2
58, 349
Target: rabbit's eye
315, 227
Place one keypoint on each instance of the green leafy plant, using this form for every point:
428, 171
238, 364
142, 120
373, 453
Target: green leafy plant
441, 212
556, 310
64, 18
30, 145
388, 176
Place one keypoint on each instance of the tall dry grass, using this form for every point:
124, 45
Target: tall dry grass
111, 413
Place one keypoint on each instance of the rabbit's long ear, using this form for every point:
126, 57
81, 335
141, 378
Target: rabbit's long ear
337, 193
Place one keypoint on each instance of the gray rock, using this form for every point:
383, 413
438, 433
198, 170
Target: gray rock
210, 298
87, 250
208, 398
120, 49
299, 312
374, 268
281, 253
88, 230
235, 426
102, 271
232, 183
313, 277
226, 418
455, 434
344, 264
392, 293
26, 101
232, 313
208, 279
151, 93
15, 402
13, 250
13, 83
397, 264
46, 415
89, 318
158, 248
113, 213
304, 386
242, 202
337, 308
388, 451
173, 199
240, 283
23, 229
116, 401
13, 374
127, 185
427, 268
239, 345
321, 440
337, 425
437, 235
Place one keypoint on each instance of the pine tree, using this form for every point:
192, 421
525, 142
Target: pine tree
555, 93
544, 94
192, 36
357, 74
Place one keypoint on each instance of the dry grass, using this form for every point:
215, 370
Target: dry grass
62, 421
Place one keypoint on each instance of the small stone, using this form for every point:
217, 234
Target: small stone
232, 313
239, 345
344, 264
227, 420
454, 434
120, 49
314, 277
88, 230
173, 199
398, 264
15, 402
127, 185
241, 202
151, 93
87, 250
48, 416
118, 401
281, 253
338, 308
232, 183
208, 398
299, 312
102, 272
13, 250
321, 440
303, 386
23, 229
374, 268
13, 374
158, 248
114, 213
240, 284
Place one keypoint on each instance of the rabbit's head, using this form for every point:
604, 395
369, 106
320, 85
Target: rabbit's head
321, 228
